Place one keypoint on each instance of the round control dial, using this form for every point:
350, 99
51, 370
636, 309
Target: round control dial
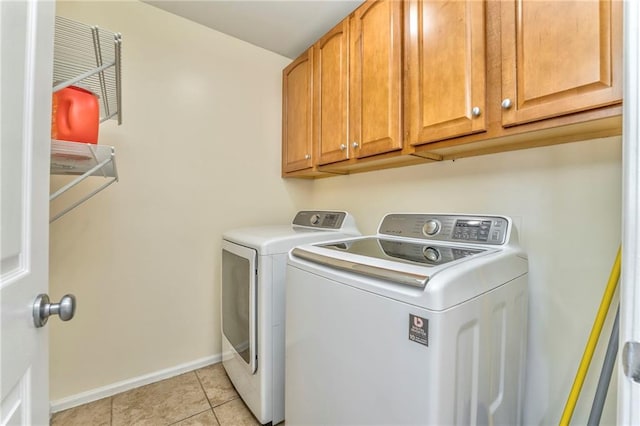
431, 254
431, 227
315, 219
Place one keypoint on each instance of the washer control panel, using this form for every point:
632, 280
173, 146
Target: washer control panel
455, 228
320, 219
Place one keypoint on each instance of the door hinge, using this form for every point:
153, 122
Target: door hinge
631, 360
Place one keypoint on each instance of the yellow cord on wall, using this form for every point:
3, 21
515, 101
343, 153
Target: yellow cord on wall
592, 342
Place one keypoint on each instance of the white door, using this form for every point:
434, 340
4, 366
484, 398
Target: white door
26, 37
629, 374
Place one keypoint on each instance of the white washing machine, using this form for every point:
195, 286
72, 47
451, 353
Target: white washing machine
423, 323
253, 279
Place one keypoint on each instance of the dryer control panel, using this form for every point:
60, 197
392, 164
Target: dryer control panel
492, 230
320, 219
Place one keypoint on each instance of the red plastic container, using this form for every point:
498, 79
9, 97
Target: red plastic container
75, 115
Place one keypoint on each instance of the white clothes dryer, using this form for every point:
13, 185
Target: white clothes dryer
423, 323
253, 297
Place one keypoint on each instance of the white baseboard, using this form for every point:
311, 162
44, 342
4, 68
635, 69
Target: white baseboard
125, 385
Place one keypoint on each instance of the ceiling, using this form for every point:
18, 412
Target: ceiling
287, 27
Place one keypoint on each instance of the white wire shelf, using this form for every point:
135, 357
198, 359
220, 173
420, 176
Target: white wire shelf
83, 160
88, 57
75, 158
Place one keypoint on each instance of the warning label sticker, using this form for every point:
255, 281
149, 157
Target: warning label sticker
419, 330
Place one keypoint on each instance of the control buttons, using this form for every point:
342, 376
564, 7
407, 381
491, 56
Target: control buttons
483, 233
431, 227
431, 254
315, 219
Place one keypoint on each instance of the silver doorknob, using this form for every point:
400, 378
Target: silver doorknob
506, 103
343, 147
307, 157
355, 144
475, 111
42, 309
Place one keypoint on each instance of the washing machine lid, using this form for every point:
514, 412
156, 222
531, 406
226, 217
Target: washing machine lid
397, 260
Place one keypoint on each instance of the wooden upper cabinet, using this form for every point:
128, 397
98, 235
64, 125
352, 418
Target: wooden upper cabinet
397, 82
375, 78
331, 87
559, 57
297, 129
445, 47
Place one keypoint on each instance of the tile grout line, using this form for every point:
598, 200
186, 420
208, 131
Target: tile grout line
227, 401
207, 396
190, 416
203, 390
111, 411
195, 373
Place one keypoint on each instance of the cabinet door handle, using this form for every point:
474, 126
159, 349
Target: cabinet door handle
307, 157
506, 103
343, 147
355, 144
476, 111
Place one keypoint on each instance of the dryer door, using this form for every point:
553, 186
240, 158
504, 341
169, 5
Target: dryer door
239, 295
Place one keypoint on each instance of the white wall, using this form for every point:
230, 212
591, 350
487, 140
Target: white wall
198, 153
566, 203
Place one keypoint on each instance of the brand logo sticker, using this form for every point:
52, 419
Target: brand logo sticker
419, 329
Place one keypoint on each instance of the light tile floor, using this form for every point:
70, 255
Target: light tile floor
200, 397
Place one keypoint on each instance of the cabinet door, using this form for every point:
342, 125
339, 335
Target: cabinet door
376, 78
297, 114
330, 94
445, 66
559, 57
